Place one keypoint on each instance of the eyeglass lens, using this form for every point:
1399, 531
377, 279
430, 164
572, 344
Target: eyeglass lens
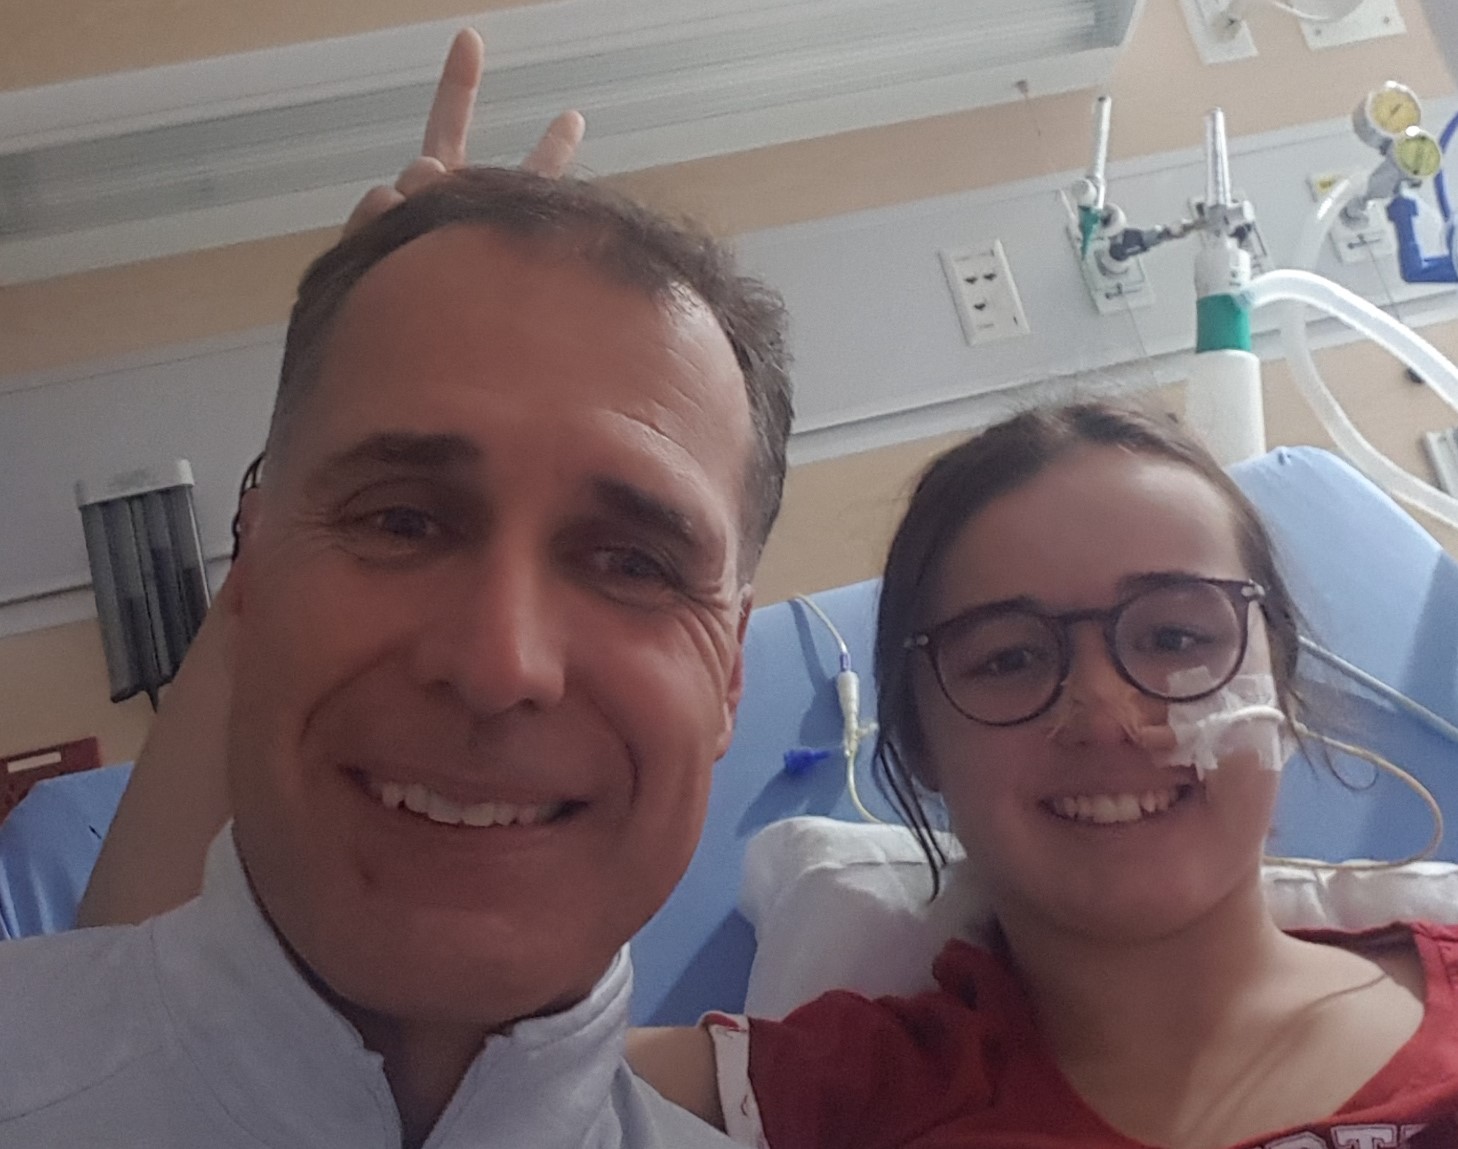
1177, 641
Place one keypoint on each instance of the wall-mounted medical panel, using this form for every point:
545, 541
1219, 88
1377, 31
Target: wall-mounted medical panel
876, 331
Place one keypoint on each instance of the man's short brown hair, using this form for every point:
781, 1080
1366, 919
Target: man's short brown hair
612, 234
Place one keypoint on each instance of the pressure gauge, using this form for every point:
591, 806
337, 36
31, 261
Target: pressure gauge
1417, 154
1386, 113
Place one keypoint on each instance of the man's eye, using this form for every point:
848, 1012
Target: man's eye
633, 565
394, 532
629, 573
404, 523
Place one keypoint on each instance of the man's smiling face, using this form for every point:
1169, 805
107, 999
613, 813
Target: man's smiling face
489, 626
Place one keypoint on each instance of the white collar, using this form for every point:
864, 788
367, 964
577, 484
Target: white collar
291, 1071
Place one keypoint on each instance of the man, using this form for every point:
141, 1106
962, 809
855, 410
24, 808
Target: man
176, 800
485, 634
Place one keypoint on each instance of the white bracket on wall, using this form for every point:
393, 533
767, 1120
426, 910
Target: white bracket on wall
1215, 41
1442, 451
1374, 18
1373, 240
1112, 294
1219, 40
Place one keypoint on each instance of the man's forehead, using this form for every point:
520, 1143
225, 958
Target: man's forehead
466, 324
476, 276
487, 255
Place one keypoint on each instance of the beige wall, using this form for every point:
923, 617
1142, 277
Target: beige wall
838, 514
53, 689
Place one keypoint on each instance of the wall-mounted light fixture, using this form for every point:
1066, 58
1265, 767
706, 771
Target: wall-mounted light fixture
147, 572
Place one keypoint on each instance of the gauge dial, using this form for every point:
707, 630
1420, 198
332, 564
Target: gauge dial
1417, 154
1386, 113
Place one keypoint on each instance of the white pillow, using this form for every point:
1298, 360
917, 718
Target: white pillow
841, 905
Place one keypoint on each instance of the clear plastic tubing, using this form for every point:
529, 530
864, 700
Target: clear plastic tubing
1298, 288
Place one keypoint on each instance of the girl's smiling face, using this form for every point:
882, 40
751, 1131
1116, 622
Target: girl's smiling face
1078, 536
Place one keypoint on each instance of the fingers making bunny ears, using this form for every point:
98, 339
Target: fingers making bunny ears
448, 128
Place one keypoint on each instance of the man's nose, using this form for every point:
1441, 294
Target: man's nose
495, 636
1098, 706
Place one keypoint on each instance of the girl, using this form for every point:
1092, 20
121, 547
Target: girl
1062, 587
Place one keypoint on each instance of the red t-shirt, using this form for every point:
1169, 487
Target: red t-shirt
964, 1066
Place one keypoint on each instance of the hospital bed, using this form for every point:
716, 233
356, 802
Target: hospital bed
1375, 589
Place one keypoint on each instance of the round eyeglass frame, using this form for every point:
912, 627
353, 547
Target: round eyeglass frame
1242, 593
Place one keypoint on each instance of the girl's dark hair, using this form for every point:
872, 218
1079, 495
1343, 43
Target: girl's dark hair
955, 487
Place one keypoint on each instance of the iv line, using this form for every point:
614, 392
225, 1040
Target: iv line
848, 694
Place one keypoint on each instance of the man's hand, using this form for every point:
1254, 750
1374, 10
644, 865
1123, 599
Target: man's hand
448, 126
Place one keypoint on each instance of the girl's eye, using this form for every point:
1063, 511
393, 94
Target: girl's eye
1014, 660
1172, 640
1004, 663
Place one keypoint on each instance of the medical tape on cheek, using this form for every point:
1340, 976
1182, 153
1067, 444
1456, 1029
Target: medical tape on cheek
1242, 716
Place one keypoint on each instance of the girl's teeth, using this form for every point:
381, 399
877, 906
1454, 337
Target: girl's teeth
1110, 809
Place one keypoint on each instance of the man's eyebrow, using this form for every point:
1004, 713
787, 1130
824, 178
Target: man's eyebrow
400, 450
646, 510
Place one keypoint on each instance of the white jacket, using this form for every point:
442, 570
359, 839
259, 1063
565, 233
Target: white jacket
195, 1031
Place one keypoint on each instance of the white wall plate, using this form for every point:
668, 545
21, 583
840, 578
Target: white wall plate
1373, 19
1215, 44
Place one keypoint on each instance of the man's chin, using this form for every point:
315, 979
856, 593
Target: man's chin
454, 980
483, 996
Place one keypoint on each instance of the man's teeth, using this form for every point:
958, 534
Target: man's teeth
438, 808
1109, 808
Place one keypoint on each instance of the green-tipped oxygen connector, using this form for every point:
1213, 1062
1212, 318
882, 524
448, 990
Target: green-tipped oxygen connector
1222, 323
1088, 226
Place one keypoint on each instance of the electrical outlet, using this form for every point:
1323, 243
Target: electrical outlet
1442, 449
1374, 239
986, 296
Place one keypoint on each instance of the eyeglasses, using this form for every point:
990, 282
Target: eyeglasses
1177, 640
